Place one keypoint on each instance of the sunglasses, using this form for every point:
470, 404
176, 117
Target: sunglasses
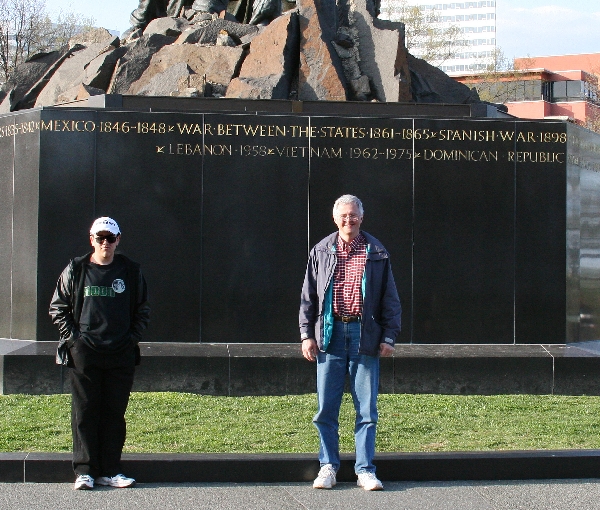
110, 238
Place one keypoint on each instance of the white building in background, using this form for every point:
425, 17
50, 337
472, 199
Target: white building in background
477, 20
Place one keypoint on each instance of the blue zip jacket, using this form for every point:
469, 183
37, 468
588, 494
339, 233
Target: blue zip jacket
380, 318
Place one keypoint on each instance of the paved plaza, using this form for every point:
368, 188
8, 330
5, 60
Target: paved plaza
488, 495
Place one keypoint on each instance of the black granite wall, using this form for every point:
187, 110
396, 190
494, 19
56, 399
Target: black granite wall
464, 228
221, 210
7, 162
24, 244
583, 235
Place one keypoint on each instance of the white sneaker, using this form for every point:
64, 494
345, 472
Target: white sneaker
83, 483
369, 482
120, 481
325, 478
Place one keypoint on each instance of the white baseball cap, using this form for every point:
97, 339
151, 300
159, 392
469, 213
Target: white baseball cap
105, 224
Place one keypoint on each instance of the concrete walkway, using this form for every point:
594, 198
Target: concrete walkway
528, 495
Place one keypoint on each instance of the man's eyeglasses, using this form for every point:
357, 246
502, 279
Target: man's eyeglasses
110, 238
348, 217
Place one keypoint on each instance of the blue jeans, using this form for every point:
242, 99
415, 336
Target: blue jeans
342, 358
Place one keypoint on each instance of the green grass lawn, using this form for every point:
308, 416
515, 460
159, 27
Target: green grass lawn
181, 422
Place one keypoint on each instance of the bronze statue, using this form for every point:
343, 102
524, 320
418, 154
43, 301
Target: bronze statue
254, 12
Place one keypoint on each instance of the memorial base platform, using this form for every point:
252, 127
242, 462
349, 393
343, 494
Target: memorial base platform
279, 369
278, 468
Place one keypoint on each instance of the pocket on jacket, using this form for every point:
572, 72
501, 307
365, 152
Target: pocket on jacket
374, 329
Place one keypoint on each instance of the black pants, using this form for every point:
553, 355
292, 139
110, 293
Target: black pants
100, 388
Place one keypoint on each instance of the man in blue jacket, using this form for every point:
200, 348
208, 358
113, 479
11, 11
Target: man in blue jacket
349, 316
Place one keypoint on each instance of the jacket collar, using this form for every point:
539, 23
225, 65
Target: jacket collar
374, 248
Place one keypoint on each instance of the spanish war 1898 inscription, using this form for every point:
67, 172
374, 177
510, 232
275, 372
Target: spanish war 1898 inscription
490, 223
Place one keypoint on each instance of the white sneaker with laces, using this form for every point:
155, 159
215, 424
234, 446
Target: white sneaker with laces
326, 478
83, 483
369, 482
120, 481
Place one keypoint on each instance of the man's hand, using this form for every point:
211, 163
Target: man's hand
310, 349
385, 350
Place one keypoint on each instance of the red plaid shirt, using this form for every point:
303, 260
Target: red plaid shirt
347, 277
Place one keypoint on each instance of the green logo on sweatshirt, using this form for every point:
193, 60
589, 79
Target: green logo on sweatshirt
95, 290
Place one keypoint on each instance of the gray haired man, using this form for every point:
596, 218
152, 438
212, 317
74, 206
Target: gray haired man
349, 317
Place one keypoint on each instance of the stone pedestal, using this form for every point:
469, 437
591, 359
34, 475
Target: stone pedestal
491, 223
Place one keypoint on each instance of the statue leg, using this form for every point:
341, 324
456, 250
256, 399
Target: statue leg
175, 7
265, 10
147, 11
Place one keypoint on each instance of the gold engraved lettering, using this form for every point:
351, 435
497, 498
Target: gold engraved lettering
29, 127
277, 131
193, 150
459, 155
189, 129
22, 128
473, 135
536, 157
291, 152
506, 135
350, 132
224, 129
299, 131
526, 137
326, 152
218, 150
253, 150
251, 130
83, 126
262, 130
549, 137
378, 133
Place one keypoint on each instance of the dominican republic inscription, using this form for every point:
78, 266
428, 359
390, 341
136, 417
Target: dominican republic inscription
325, 141
471, 210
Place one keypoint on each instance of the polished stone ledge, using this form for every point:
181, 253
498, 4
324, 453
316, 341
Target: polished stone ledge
279, 369
279, 468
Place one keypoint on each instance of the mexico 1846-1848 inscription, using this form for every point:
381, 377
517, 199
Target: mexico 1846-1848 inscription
483, 217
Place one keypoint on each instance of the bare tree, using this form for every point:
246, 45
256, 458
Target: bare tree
26, 29
16, 19
502, 81
437, 41
67, 25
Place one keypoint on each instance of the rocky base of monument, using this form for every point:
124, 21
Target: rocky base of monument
313, 52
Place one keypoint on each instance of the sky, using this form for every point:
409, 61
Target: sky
524, 28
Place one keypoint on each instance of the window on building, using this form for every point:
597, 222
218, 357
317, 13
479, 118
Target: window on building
547, 91
514, 90
573, 90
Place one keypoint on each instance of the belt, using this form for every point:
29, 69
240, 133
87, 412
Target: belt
347, 318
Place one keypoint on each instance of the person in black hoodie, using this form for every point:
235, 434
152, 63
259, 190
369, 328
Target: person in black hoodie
100, 306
